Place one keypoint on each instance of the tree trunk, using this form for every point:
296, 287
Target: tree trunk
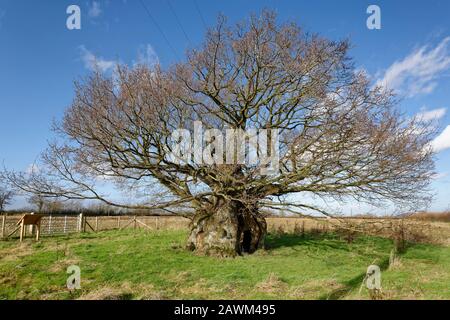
227, 230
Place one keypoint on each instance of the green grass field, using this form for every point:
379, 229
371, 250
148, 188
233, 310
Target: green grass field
141, 265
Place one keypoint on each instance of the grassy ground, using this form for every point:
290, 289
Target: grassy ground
140, 265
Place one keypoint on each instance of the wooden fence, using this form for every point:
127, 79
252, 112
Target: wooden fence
67, 224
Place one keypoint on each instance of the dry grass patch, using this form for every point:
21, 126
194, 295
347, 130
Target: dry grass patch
125, 291
200, 289
61, 265
272, 285
16, 252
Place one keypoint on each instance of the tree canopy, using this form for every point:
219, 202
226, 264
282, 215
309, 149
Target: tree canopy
340, 137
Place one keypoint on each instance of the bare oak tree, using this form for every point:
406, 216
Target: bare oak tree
340, 138
38, 201
6, 197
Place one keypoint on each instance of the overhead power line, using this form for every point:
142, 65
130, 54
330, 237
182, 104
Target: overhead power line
159, 28
200, 14
179, 22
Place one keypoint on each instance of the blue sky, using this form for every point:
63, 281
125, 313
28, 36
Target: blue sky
40, 58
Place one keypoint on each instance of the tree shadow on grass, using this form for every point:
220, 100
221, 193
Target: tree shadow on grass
326, 242
351, 284
357, 281
318, 241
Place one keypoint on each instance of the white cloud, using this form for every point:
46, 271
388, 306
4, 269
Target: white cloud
94, 9
147, 55
420, 71
442, 141
440, 175
431, 115
32, 169
92, 62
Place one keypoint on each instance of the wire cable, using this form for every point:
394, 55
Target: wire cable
159, 28
179, 22
200, 14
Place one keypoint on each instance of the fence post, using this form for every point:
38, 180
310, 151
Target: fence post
50, 225
3, 224
96, 224
135, 223
80, 222
31, 228
118, 222
65, 224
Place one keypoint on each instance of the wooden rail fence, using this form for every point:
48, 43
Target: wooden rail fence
67, 224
